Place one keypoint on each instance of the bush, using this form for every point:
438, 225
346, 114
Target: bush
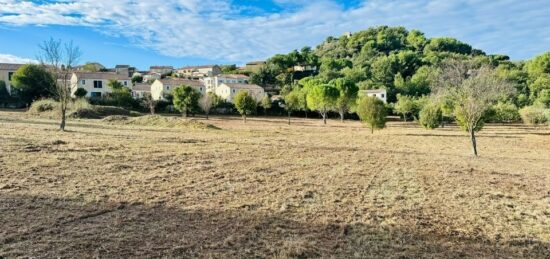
80, 92
430, 116
504, 112
534, 115
44, 105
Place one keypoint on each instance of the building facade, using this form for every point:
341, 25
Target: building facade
199, 71
212, 83
6, 74
96, 83
162, 87
227, 91
378, 93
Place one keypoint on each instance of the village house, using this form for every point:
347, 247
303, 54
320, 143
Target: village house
162, 87
6, 73
212, 83
199, 71
140, 90
227, 91
254, 66
125, 70
151, 77
96, 83
163, 70
378, 93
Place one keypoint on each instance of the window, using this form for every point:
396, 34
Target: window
10, 74
95, 94
167, 87
83, 82
98, 84
382, 95
200, 89
233, 90
125, 83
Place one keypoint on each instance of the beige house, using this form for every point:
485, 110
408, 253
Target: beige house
140, 90
228, 91
378, 93
165, 86
6, 73
163, 70
151, 76
212, 83
96, 83
199, 71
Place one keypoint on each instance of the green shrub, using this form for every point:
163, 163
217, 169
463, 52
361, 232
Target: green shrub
534, 115
504, 112
430, 116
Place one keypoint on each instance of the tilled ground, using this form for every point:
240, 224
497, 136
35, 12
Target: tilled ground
266, 189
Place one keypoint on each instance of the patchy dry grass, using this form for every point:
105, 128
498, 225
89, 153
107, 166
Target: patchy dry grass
266, 189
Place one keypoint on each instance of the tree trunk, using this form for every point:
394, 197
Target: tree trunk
207, 115
341, 115
474, 144
324, 114
244, 118
63, 113
305, 112
404, 117
289, 118
371, 130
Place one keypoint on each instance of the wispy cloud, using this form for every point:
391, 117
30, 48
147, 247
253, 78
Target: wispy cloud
7, 58
217, 29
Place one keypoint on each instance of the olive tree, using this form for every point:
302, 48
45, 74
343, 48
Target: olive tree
206, 102
372, 112
60, 59
244, 103
473, 89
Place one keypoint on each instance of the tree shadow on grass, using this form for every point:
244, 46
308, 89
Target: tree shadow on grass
46, 227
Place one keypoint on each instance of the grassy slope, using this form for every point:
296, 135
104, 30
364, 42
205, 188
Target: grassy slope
268, 189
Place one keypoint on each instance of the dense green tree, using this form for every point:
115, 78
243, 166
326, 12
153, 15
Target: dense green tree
186, 99
137, 79
505, 112
80, 92
405, 106
416, 40
322, 98
33, 82
245, 104
347, 95
448, 45
538, 66
4, 94
430, 116
372, 112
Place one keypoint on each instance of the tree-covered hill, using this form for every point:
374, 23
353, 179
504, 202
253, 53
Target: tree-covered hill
401, 61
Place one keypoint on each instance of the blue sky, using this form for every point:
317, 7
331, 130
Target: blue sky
190, 32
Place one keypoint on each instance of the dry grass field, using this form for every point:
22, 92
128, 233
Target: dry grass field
266, 189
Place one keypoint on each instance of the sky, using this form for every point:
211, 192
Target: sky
142, 33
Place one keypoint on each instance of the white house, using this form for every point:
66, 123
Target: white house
378, 93
6, 74
213, 82
165, 86
139, 90
227, 91
96, 83
151, 76
199, 71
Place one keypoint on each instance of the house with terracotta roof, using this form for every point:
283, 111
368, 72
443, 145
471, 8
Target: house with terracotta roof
213, 82
227, 91
6, 73
199, 71
162, 87
96, 83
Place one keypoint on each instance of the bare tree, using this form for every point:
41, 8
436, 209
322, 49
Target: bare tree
60, 60
206, 103
473, 89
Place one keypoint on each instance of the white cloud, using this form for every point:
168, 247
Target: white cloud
215, 29
7, 58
